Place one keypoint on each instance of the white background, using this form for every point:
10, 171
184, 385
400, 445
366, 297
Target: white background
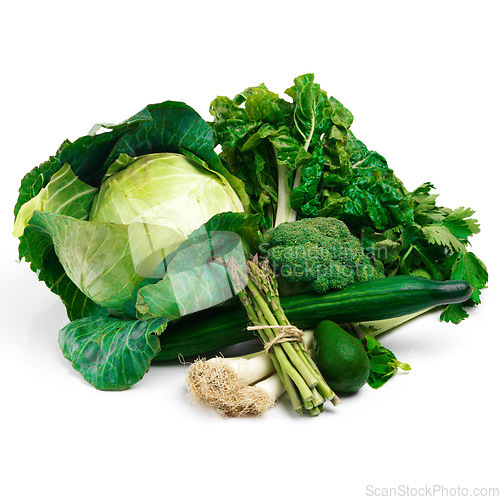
421, 80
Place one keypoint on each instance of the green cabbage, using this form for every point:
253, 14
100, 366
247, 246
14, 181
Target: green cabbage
100, 221
144, 209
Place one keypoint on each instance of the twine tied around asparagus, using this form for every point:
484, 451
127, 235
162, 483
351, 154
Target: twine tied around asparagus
288, 333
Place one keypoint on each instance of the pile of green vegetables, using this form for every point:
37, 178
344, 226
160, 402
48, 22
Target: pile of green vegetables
160, 247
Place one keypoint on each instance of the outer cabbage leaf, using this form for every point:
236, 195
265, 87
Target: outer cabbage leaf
111, 353
65, 194
105, 261
197, 276
38, 249
37, 178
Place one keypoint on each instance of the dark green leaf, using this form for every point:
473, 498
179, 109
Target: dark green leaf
379, 246
313, 110
232, 125
304, 197
470, 268
88, 155
174, 126
454, 313
262, 105
111, 353
383, 362
332, 204
438, 234
341, 116
375, 197
460, 223
356, 149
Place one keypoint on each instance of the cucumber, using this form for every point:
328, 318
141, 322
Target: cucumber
368, 301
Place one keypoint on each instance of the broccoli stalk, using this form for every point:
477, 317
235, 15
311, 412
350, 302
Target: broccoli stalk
283, 342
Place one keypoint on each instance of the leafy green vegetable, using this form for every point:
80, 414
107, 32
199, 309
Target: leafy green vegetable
38, 247
98, 221
106, 273
111, 353
65, 194
434, 246
383, 362
300, 159
275, 146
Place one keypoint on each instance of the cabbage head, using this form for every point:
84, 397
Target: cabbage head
101, 223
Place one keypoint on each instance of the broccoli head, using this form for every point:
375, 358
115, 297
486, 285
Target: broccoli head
320, 251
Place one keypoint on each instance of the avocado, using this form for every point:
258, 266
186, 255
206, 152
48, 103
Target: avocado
340, 357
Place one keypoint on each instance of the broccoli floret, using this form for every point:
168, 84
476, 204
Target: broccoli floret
320, 251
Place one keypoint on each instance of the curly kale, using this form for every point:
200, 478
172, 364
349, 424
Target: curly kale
320, 251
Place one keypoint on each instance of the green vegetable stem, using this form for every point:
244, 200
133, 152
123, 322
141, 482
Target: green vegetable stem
300, 376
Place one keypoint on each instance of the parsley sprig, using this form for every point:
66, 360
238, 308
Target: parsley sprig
434, 245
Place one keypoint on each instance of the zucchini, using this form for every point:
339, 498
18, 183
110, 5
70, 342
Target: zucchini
368, 301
